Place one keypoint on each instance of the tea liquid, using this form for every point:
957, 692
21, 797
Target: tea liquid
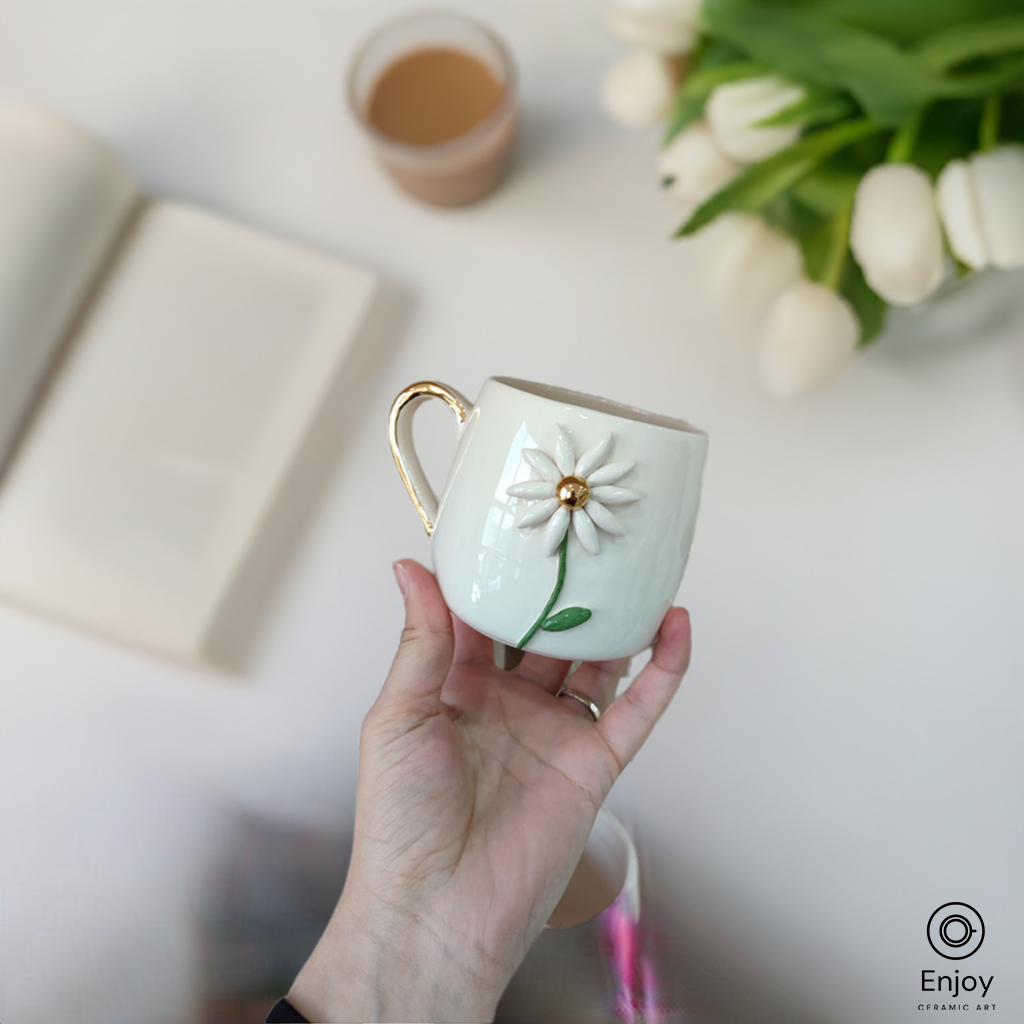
433, 95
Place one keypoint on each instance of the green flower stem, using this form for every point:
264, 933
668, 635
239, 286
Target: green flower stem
835, 257
901, 148
988, 131
562, 548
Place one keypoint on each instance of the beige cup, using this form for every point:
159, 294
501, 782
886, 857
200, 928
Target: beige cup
467, 167
608, 868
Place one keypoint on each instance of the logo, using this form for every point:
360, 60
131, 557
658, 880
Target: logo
956, 931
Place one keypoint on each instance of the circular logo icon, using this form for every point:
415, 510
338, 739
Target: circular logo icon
956, 931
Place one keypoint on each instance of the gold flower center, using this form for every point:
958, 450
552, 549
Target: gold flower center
573, 492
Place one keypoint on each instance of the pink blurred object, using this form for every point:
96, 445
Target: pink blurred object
637, 995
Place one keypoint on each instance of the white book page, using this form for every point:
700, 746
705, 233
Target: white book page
165, 439
64, 198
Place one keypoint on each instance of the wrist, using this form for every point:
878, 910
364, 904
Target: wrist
374, 963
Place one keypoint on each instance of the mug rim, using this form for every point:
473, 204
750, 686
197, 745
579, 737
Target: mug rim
595, 403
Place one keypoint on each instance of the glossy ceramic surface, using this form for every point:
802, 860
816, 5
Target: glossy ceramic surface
498, 556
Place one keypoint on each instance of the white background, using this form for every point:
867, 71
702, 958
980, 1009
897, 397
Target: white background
845, 754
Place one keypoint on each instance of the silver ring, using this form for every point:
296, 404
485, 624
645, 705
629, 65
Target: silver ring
584, 700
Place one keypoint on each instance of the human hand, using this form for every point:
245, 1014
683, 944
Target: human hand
477, 792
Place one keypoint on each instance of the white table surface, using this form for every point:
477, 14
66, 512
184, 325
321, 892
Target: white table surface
845, 754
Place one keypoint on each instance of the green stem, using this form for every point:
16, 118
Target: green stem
901, 148
988, 131
835, 258
562, 548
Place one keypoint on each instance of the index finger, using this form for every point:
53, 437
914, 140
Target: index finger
629, 720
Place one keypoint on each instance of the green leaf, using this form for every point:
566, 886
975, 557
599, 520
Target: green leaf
567, 618
829, 189
1004, 74
760, 183
869, 307
819, 106
946, 49
949, 131
811, 229
803, 42
908, 21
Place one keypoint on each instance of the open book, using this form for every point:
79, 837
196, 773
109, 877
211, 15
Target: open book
160, 371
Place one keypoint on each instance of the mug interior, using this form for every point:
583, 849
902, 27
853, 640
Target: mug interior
607, 870
596, 404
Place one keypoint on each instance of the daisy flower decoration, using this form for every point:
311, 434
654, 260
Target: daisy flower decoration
580, 492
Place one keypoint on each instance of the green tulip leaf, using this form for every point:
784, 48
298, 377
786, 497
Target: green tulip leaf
804, 43
869, 306
909, 21
760, 183
567, 618
944, 50
819, 106
1004, 74
828, 189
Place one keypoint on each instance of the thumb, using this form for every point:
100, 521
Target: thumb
412, 689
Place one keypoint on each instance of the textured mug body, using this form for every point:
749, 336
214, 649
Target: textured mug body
499, 575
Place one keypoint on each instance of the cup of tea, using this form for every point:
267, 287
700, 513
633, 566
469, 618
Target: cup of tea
436, 95
566, 520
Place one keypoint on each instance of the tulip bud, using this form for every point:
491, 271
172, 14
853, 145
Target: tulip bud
668, 26
811, 331
735, 109
696, 166
895, 233
750, 261
981, 201
639, 89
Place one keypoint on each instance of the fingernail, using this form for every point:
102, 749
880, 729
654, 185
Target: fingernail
401, 579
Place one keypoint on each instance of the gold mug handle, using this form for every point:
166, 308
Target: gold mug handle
404, 451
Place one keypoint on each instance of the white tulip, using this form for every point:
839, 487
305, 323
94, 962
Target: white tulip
697, 166
639, 89
895, 233
811, 331
733, 110
669, 26
749, 261
982, 205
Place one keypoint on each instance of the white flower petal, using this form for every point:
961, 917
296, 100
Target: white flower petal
555, 530
639, 88
958, 205
895, 234
532, 489
735, 109
540, 462
609, 474
538, 512
585, 531
697, 166
998, 186
593, 456
750, 261
669, 26
810, 333
615, 495
603, 518
565, 453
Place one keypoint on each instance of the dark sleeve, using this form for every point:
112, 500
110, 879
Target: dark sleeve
284, 1013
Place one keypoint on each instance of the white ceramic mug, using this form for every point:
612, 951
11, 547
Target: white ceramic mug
566, 520
608, 870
